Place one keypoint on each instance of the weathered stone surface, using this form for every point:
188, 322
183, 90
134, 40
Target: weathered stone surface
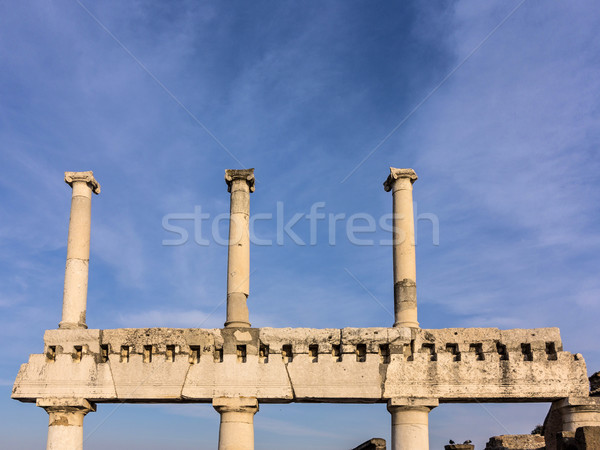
552, 426
78, 249
400, 182
588, 438
579, 412
516, 442
246, 175
459, 447
236, 431
395, 174
372, 444
410, 422
303, 365
237, 367
240, 183
65, 421
595, 385
86, 177
485, 364
565, 440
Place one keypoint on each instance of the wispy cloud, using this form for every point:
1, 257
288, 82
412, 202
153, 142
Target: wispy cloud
506, 154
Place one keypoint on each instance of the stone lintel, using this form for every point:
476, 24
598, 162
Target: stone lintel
413, 401
396, 174
88, 177
239, 174
235, 404
66, 404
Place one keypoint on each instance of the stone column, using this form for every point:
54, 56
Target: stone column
400, 182
65, 428
78, 249
236, 431
579, 412
410, 422
240, 183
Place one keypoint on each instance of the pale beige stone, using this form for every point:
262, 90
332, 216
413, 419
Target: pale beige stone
579, 412
400, 182
410, 422
516, 442
236, 431
240, 183
65, 426
303, 364
372, 444
237, 367
78, 249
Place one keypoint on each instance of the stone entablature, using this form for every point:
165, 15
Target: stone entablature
235, 368
280, 365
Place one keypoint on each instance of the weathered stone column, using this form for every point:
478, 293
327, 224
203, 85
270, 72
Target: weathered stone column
240, 183
236, 431
65, 427
579, 412
78, 249
410, 422
400, 182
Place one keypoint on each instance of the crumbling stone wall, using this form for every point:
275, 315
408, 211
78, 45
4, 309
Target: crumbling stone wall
372, 444
516, 442
595, 385
585, 438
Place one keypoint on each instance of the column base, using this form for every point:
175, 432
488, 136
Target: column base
71, 325
237, 310
407, 324
237, 325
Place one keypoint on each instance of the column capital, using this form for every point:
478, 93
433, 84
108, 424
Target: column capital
583, 403
412, 402
66, 405
578, 412
235, 404
239, 174
88, 177
396, 174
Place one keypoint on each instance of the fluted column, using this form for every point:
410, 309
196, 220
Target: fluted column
400, 182
65, 426
236, 431
240, 183
410, 422
78, 249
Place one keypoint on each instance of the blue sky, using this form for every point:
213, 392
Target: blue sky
506, 149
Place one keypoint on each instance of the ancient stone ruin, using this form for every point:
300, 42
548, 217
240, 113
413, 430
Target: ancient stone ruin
409, 369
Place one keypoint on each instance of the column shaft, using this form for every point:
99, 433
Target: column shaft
410, 428
400, 183
78, 249
65, 426
410, 422
236, 431
240, 185
65, 430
